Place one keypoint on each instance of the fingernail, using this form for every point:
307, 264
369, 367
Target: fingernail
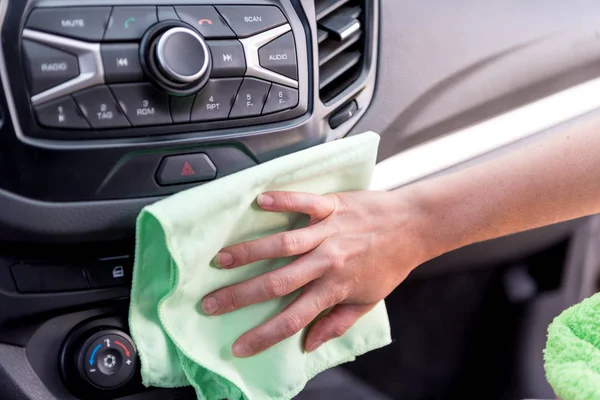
265, 200
224, 259
240, 350
210, 305
314, 346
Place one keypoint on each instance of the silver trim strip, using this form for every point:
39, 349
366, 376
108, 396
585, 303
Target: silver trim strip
91, 69
253, 67
460, 146
164, 64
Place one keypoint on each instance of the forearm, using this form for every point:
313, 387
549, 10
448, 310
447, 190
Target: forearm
553, 180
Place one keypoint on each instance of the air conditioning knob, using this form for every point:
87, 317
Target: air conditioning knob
107, 359
176, 58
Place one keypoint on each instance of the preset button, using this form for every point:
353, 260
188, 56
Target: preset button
143, 104
215, 100
280, 98
250, 98
100, 108
62, 113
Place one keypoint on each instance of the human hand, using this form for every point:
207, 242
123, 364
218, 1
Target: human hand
357, 247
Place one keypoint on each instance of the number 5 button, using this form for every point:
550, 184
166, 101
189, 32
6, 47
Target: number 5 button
250, 98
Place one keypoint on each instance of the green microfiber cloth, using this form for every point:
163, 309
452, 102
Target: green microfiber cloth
572, 354
177, 239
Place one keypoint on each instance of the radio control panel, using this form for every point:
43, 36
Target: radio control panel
129, 100
102, 68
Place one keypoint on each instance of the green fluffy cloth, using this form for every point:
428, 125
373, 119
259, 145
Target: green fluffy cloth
572, 354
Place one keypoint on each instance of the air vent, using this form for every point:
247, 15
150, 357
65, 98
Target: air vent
341, 44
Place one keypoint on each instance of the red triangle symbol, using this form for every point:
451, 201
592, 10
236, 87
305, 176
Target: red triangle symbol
187, 170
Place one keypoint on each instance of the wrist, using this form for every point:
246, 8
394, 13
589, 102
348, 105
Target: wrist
432, 224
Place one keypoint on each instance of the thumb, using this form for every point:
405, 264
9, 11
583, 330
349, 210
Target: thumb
334, 324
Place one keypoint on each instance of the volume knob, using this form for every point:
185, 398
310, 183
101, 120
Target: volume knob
182, 55
176, 58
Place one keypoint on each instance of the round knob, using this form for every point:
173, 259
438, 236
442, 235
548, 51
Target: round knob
107, 359
182, 55
175, 57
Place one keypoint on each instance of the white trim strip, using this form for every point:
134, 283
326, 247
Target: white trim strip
439, 154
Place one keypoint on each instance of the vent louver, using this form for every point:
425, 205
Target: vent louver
341, 44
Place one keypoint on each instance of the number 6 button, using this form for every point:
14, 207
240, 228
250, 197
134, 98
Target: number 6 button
280, 98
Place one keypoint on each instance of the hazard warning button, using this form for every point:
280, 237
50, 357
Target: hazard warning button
186, 168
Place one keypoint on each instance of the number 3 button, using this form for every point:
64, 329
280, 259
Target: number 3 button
143, 104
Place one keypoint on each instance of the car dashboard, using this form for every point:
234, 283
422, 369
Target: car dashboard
108, 106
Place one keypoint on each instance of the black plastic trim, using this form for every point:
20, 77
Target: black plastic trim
23, 219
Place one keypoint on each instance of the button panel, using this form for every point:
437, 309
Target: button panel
87, 66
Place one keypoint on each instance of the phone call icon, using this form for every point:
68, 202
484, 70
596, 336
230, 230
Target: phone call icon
128, 21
